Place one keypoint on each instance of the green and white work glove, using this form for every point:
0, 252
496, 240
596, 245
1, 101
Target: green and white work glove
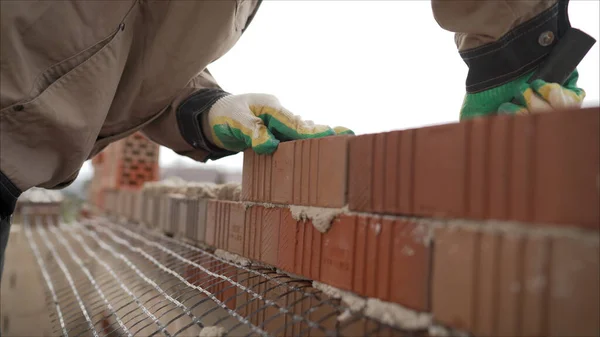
258, 121
537, 97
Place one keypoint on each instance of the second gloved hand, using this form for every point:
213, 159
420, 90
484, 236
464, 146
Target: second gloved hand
258, 121
539, 96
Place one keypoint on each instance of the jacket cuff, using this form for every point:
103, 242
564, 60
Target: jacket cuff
9, 193
518, 52
189, 120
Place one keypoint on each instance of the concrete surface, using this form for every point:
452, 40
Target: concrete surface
23, 308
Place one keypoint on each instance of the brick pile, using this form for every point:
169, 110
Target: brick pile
124, 165
489, 226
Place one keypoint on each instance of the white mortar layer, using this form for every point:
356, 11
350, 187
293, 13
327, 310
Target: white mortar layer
232, 257
440, 331
321, 217
396, 315
389, 313
212, 331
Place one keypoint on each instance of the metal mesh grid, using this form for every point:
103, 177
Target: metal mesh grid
110, 279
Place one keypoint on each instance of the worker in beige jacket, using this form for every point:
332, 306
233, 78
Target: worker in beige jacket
77, 76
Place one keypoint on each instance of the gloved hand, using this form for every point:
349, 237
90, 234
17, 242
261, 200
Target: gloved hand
258, 121
539, 96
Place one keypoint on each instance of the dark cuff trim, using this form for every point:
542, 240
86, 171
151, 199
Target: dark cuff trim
9, 193
189, 121
516, 53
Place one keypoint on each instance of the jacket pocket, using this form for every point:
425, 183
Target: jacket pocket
45, 140
58, 70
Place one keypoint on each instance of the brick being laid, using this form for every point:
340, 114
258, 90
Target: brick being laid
306, 172
539, 168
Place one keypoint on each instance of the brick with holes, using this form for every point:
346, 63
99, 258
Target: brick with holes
304, 172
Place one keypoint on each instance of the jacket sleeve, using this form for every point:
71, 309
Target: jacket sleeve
179, 127
502, 40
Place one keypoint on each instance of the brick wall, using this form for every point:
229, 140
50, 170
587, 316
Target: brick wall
491, 225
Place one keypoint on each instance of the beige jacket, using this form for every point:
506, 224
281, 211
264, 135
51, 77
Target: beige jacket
78, 75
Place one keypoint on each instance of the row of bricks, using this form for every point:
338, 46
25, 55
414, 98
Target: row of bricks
487, 281
538, 168
472, 280
317, 308
171, 214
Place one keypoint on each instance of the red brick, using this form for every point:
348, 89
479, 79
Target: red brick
499, 160
269, 241
252, 239
521, 169
510, 286
567, 154
236, 226
297, 187
392, 172
440, 170
359, 284
372, 254
337, 259
287, 242
306, 165
307, 250
299, 247
315, 261
380, 173
211, 222
536, 260
574, 302
306, 172
386, 263
360, 172
332, 162
282, 174
478, 168
201, 224
410, 264
507, 284
454, 277
407, 172
379, 165
221, 233
487, 284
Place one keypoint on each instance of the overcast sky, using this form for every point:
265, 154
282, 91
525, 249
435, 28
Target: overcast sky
371, 66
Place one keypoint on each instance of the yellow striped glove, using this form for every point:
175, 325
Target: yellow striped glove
258, 121
541, 96
519, 97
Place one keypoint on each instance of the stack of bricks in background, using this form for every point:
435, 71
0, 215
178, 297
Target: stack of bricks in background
124, 165
490, 225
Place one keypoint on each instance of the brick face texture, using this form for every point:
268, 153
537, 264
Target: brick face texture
371, 256
508, 284
541, 168
306, 172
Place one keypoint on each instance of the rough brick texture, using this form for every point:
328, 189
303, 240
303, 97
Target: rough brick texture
539, 168
370, 256
509, 284
306, 172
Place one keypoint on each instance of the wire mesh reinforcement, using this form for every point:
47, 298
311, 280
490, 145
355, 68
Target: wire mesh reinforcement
109, 279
